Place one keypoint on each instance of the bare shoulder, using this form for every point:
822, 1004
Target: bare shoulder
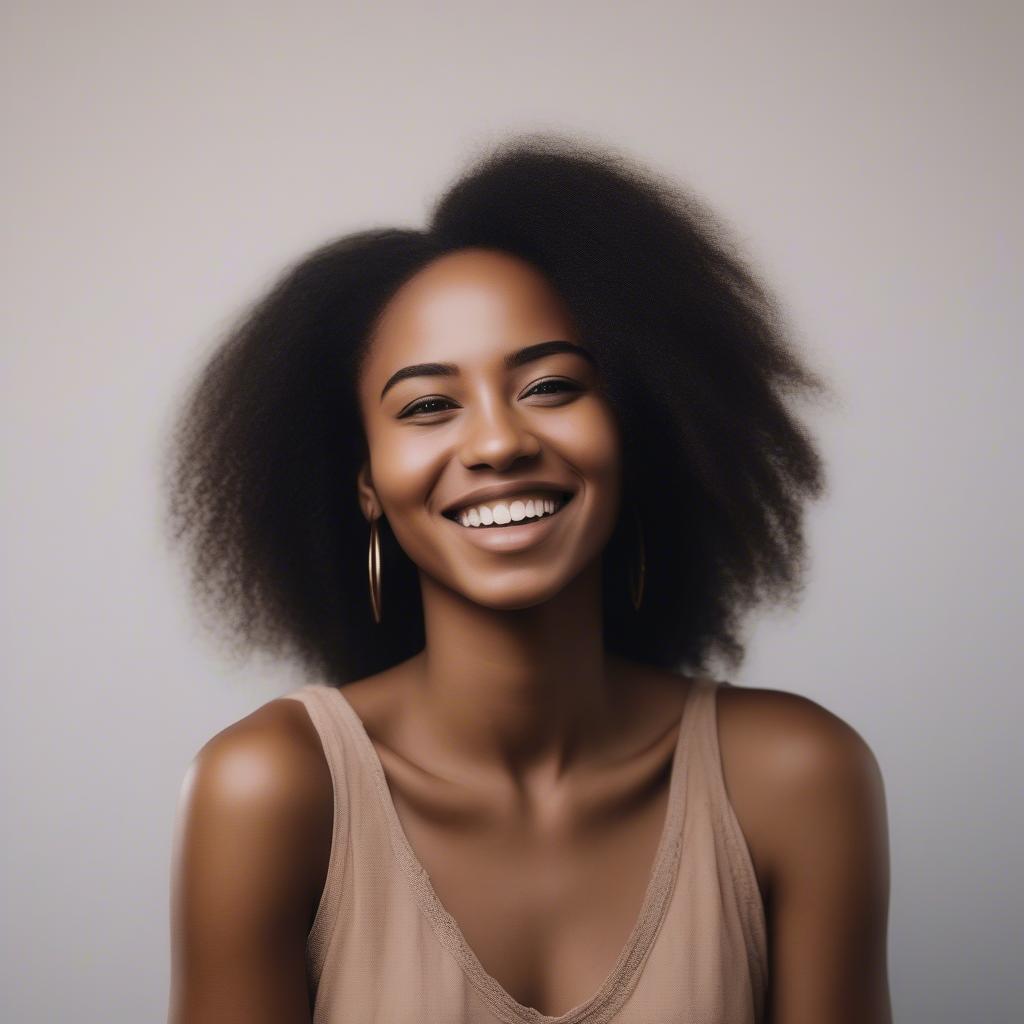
788, 761
269, 762
789, 733
251, 846
809, 796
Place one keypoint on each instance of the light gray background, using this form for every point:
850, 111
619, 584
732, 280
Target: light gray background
163, 162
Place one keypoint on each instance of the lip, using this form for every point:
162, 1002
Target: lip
508, 490
512, 538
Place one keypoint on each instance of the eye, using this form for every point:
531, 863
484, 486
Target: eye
424, 405
553, 382
421, 406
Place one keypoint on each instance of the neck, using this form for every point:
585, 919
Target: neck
519, 691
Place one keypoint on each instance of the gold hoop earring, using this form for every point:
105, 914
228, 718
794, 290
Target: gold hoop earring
374, 570
638, 567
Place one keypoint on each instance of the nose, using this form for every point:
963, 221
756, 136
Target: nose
495, 435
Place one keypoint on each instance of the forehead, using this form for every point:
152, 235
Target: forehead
477, 297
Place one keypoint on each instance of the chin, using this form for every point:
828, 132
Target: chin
509, 597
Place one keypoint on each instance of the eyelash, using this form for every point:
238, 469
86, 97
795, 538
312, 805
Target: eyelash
416, 407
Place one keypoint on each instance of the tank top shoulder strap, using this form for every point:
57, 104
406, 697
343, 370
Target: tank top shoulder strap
324, 707
691, 739
709, 776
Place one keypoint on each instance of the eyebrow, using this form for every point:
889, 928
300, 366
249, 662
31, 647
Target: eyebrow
511, 361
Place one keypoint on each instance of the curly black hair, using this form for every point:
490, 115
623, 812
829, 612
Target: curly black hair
695, 356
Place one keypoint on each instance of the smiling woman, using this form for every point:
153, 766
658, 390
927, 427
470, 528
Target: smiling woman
505, 486
517, 417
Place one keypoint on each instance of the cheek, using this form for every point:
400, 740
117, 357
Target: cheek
590, 440
403, 469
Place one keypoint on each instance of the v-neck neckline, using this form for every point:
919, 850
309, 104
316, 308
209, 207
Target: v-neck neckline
618, 983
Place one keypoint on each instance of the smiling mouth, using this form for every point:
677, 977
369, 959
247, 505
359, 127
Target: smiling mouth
561, 500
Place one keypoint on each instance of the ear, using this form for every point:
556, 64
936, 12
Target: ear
368, 500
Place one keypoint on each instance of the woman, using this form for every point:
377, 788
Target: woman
554, 429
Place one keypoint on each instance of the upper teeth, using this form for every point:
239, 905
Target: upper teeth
508, 510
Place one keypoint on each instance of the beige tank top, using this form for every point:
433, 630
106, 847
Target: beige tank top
382, 948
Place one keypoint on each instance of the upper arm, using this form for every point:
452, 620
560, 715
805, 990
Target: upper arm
822, 835
251, 843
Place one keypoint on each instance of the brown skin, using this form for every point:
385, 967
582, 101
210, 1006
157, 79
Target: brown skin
552, 755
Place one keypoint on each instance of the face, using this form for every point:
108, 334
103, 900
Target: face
500, 422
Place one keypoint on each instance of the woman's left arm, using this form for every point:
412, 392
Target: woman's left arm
830, 877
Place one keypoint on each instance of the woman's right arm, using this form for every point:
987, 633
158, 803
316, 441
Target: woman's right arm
251, 847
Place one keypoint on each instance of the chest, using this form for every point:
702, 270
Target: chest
547, 915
